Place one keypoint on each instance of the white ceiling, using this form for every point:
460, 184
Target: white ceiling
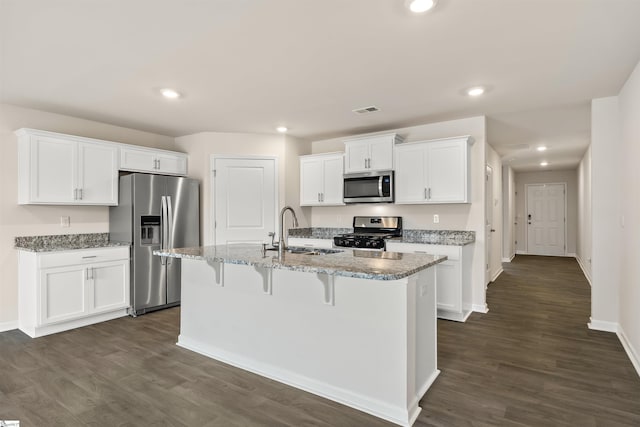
250, 65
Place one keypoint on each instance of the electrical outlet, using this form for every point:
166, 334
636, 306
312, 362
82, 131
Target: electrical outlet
65, 221
436, 218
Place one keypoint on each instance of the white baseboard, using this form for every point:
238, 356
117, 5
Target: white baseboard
498, 273
601, 325
571, 255
8, 326
509, 259
519, 252
478, 308
631, 352
584, 270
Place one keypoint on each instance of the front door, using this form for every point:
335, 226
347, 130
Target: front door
244, 199
546, 219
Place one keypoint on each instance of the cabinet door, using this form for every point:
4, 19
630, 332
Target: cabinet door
447, 171
109, 284
171, 164
356, 156
52, 170
410, 184
311, 181
381, 154
98, 174
333, 183
63, 294
137, 160
448, 286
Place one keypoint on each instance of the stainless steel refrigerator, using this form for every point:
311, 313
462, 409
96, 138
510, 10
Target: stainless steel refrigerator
155, 212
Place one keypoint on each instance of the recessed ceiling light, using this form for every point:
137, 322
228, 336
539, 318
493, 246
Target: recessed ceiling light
541, 148
475, 91
544, 163
169, 93
420, 6
282, 129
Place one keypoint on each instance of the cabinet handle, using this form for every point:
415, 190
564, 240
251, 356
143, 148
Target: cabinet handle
80, 191
429, 193
75, 194
322, 197
158, 163
86, 274
318, 197
425, 193
89, 256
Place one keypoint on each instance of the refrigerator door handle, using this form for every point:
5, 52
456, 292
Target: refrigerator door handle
163, 233
169, 226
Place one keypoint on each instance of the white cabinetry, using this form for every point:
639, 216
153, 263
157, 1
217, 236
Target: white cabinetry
434, 171
68, 289
453, 277
137, 159
321, 179
63, 169
370, 153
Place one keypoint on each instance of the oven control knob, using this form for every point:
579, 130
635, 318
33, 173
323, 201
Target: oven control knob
358, 243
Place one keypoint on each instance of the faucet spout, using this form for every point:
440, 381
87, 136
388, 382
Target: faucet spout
282, 245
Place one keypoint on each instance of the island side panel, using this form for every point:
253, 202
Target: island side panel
355, 351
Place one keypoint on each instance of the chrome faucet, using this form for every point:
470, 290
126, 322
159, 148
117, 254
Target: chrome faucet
281, 243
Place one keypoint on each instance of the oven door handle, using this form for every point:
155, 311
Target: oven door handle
380, 186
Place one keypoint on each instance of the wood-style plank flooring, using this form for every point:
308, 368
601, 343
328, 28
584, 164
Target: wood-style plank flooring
530, 361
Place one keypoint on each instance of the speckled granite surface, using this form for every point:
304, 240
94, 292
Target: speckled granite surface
431, 237
64, 242
439, 237
347, 263
318, 232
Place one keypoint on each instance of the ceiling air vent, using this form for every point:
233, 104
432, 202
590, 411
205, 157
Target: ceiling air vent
366, 110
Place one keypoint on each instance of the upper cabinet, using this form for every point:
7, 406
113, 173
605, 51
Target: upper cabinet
434, 171
321, 179
61, 169
370, 153
138, 159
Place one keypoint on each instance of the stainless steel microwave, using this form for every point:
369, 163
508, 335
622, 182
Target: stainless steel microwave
369, 187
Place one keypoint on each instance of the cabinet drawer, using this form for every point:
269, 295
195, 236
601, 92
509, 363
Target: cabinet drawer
452, 252
311, 243
83, 256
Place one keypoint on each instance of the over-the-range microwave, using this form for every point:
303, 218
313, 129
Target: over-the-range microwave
368, 187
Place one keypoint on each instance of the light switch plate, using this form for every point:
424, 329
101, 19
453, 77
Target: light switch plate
65, 221
436, 218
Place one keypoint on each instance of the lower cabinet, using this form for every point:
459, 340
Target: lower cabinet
453, 277
65, 290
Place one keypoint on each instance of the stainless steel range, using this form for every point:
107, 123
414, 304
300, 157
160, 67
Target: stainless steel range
370, 232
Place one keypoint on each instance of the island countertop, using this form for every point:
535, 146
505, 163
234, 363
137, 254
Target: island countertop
344, 262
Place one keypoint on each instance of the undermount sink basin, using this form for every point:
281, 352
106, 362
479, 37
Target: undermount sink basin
312, 251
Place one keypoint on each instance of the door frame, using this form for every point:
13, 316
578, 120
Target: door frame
526, 210
488, 207
212, 193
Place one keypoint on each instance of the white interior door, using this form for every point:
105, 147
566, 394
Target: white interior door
546, 219
244, 199
488, 207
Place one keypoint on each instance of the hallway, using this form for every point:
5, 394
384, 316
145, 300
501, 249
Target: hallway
532, 360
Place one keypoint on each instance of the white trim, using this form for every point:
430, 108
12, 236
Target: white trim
212, 213
478, 308
628, 347
584, 270
509, 259
495, 276
519, 252
452, 315
526, 209
8, 326
602, 325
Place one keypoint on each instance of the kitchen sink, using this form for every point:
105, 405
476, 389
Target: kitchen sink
312, 251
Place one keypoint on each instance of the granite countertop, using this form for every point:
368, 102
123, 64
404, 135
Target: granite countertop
430, 237
348, 263
65, 242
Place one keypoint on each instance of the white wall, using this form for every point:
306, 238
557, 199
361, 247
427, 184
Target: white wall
452, 217
606, 164
286, 149
508, 213
21, 220
568, 176
583, 242
495, 256
629, 328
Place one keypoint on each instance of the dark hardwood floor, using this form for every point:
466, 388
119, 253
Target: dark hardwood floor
530, 361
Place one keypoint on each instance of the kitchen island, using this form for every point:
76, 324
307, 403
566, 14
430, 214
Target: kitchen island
355, 327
